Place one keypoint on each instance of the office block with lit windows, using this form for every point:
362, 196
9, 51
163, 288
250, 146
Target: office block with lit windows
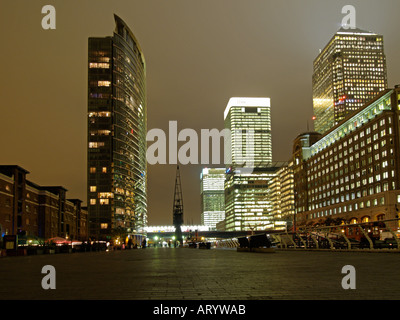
281, 197
212, 196
348, 72
249, 167
351, 173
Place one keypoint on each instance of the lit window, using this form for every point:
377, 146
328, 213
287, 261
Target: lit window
99, 114
103, 132
99, 65
104, 170
104, 225
93, 188
92, 169
96, 145
104, 201
106, 195
92, 201
103, 83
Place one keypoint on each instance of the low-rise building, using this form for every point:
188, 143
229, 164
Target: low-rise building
27, 209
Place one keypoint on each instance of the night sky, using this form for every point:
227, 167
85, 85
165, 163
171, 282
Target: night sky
198, 55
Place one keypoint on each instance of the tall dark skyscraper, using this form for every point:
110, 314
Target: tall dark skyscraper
117, 117
348, 73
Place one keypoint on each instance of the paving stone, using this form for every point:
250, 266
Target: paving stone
190, 274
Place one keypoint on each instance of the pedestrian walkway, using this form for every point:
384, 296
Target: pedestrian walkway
194, 274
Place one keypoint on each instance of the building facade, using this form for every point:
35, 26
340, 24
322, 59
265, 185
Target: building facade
212, 181
117, 128
351, 173
348, 73
247, 199
27, 209
249, 123
248, 158
281, 197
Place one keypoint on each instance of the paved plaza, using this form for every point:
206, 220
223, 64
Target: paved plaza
195, 274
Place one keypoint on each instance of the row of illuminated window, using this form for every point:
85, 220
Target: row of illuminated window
361, 62
96, 145
364, 65
332, 154
100, 132
101, 201
363, 88
366, 55
326, 184
94, 170
99, 65
103, 83
364, 46
349, 208
101, 114
341, 195
324, 167
371, 75
352, 124
353, 166
359, 38
364, 81
101, 194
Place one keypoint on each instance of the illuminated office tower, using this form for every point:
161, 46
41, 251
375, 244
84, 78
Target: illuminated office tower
249, 122
348, 73
117, 118
212, 196
250, 171
247, 202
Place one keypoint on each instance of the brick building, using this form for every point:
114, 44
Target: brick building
42, 211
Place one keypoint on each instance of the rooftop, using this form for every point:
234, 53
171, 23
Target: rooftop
246, 102
355, 31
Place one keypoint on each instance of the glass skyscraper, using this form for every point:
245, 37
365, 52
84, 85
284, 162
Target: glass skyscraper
117, 117
348, 73
212, 196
